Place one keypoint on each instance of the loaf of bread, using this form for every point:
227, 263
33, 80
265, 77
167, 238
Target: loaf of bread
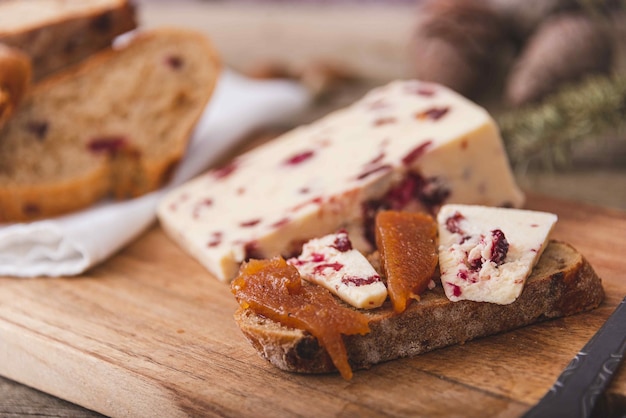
58, 33
115, 125
15, 76
562, 283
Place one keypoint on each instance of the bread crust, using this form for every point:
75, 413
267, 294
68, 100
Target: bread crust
38, 201
563, 283
15, 77
70, 35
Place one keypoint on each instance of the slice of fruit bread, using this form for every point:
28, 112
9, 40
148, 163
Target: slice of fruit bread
58, 33
116, 125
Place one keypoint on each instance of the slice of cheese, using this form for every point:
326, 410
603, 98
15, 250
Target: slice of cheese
408, 145
486, 253
331, 262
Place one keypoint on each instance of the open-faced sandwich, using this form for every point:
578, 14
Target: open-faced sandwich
498, 271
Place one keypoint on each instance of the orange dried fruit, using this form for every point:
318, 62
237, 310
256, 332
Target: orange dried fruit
274, 289
407, 243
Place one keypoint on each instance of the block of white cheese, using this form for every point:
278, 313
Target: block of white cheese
332, 262
486, 253
408, 145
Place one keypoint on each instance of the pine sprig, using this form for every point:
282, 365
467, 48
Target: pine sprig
547, 132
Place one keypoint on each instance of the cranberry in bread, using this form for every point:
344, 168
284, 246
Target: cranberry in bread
116, 125
408, 146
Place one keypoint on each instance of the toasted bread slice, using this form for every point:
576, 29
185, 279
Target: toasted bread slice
116, 125
562, 283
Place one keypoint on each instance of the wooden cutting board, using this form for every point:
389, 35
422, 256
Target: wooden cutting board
150, 333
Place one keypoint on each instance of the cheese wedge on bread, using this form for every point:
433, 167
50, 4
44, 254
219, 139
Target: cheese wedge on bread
486, 253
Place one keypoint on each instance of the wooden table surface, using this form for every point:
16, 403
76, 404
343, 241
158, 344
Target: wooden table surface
356, 39
151, 333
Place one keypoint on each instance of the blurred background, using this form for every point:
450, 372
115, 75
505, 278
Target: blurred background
552, 72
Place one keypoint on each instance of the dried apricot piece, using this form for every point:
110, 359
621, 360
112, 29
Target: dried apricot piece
274, 289
407, 243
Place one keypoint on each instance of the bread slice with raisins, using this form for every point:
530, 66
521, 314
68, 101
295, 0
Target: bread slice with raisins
58, 33
115, 125
15, 77
562, 283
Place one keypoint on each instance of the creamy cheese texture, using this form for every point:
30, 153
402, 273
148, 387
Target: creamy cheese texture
408, 145
486, 253
331, 262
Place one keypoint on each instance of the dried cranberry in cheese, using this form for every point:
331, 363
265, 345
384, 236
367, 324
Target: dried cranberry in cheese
331, 262
406, 146
486, 253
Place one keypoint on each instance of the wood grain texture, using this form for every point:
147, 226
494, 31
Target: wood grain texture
21, 401
150, 333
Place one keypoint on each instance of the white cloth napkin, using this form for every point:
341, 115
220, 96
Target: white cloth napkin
71, 244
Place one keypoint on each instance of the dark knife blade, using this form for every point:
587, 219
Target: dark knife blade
576, 390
